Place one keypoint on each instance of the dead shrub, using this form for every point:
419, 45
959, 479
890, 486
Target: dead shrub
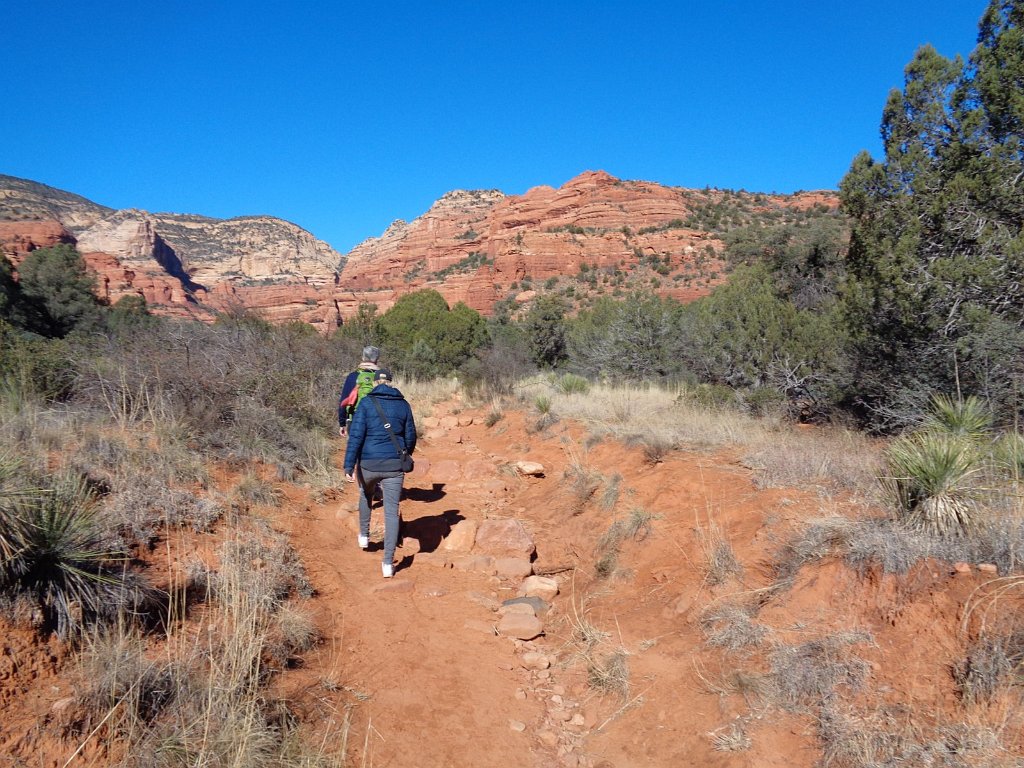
805, 675
990, 665
720, 561
731, 626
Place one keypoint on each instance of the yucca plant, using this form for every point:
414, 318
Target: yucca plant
570, 384
1008, 455
968, 417
932, 481
56, 555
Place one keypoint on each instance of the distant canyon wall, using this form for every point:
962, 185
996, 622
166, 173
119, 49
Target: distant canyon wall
594, 235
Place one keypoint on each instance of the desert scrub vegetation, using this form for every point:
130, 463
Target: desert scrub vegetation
58, 565
116, 432
663, 419
203, 699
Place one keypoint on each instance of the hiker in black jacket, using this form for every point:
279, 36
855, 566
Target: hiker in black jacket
371, 447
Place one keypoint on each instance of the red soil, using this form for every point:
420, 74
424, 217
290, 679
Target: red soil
412, 670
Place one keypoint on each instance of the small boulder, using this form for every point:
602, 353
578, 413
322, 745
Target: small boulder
517, 608
461, 537
504, 537
539, 586
540, 608
533, 468
534, 660
488, 602
513, 567
481, 563
521, 626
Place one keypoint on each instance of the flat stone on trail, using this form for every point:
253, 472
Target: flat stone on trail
479, 626
478, 469
539, 586
513, 567
446, 471
504, 537
520, 625
436, 559
539, 606
533, 468
488, 602
517, 726
517, 608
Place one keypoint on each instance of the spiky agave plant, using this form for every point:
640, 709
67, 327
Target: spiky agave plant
932, 481
58, 556
962, 417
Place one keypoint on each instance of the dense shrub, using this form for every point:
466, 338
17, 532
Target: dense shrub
934, 295
425, 338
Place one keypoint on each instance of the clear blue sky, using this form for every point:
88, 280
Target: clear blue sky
342, 117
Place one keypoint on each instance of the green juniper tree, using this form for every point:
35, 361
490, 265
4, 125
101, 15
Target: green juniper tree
935, 290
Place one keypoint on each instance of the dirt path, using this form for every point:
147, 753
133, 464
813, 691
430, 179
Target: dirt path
425, 679
431, 684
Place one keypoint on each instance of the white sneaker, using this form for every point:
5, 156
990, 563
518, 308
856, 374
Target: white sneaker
388, 569
364, 541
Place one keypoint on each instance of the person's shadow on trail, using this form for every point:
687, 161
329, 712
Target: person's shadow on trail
435, 493
431, 530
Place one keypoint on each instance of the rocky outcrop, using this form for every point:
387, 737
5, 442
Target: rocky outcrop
596, 235
181, 264
22, 237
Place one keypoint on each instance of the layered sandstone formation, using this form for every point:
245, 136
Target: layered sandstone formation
596, 235
181, 264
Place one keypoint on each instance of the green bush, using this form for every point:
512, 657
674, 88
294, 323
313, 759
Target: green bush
425, 338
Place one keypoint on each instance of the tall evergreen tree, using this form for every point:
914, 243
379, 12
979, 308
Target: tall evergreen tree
935, 290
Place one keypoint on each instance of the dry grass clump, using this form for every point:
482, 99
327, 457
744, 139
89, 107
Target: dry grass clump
637, 525
730, 738
607, 666
730, 625
990, 666
433, 391
661, 415
253, 490
665, 419
495, 414
582, 482
831, 458
141, 508
720, 561
806, 675
891, 736
203, 699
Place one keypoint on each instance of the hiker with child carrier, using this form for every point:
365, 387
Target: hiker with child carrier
357, 385
381, 440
